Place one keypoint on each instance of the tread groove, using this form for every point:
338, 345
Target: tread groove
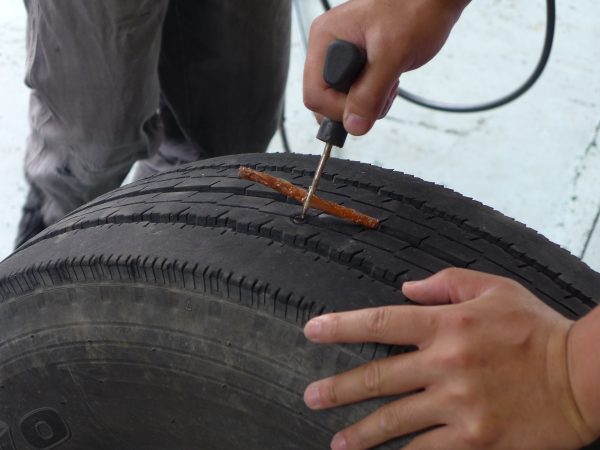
379, 190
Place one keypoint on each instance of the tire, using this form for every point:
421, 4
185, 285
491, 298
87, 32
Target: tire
168, 314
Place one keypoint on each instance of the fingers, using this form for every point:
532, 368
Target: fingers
389, 376
369, 97
318, 96
439, 438
371, 94
407, 415
451, 286
390, 100
397, 37
386, 325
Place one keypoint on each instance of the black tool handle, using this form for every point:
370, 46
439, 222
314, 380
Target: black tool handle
343, 63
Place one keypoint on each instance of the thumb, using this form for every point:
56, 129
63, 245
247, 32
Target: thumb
450, 286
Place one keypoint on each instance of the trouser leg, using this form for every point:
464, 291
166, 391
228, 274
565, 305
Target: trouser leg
223, 69
174, 149
92, 69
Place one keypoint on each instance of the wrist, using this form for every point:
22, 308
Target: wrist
583, 362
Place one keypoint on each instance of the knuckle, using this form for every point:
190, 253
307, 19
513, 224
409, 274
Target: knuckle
461, 359
460, 320
377, 320
480, 432
462, 395
333, 327
508, 283
449, 273
311, 100
458, 357
372, 378
366, 105
331, 393
318, 25
390, 420
480, 427
432, 321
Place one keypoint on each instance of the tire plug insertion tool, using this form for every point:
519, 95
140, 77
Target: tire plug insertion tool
343, 63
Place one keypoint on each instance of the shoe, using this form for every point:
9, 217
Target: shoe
31, 222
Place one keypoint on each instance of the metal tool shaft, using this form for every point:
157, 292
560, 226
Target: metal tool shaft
317, 178
343, 63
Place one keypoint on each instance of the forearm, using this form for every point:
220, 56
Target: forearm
583, 349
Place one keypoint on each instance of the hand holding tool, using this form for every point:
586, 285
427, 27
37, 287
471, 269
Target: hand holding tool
343, 63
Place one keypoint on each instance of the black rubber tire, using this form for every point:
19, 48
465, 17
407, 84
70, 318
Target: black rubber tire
169, 313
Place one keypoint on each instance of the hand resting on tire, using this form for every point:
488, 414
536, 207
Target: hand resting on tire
495, 368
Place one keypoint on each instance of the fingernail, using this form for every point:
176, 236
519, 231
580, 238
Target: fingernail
338, 442
313, 397
356, 124
312, 330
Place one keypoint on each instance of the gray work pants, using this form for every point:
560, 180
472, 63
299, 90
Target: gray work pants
163, 81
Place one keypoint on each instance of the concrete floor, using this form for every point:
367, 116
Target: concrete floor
536, 160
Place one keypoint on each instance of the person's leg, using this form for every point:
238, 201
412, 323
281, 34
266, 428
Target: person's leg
174, 149
223, 69
92, 69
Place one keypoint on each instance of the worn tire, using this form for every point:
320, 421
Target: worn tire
169, 313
